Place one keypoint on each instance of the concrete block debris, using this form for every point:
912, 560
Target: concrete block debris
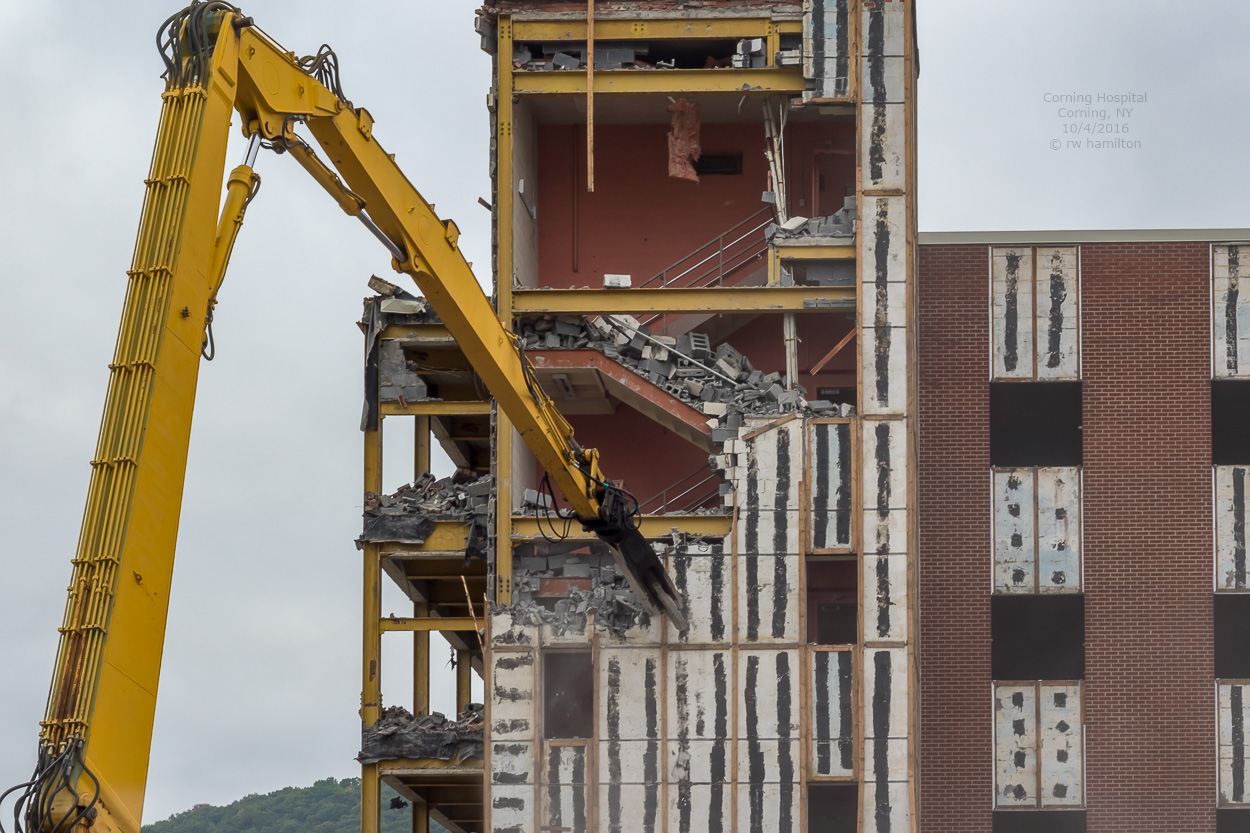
722, 383
408, 515
401, 734
839, 224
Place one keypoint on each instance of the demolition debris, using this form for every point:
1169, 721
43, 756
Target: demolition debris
400, 734
408, 516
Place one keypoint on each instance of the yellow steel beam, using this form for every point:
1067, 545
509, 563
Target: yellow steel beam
447, 537
822, 252
432, 332
436, 623
503, 210
525, 527
575, 30
765, 81
403, 766
733, 299
439, 408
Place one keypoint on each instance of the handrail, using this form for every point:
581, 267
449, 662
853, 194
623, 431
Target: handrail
756, 222
666, 503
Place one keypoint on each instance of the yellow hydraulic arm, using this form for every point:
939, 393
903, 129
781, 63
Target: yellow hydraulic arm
96, 734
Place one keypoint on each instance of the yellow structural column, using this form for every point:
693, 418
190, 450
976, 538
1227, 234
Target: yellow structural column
503, 300
420, 639
371, 652
464, 680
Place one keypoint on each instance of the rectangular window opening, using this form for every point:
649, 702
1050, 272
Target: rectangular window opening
1037, 637
719, 164
1035, 424
832, 807
1230, 414
568, 695
832, 600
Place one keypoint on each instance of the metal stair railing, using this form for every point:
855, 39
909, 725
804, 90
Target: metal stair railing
685, 495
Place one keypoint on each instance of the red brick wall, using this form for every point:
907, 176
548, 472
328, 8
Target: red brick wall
1149, 709
956, 730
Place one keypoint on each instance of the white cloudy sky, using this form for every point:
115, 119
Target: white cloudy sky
260, 683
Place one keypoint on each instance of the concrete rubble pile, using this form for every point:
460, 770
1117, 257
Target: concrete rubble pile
816, 229
408, 516
561, 584
401, 734
720, 382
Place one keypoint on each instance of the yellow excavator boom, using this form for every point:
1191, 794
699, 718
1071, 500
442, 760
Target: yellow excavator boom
96, 734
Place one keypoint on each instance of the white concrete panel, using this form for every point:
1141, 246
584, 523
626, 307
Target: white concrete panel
831, 490
578, 634
887, 807
1234, 712
629, 693
768, 808
630, 808
885, 759
512, 762
1062, 746
769, 531
885, 693
821, 54
882, 81
831, 713
776, 458
630, 761
512, 808
1058, 325
1014, 531
1059, 530
768, 598
700, 761
1012, 309
884, 370
885, 463
702, 574
769, 761
512, 705
883, 146
1231, 312
768, 685
885, 531
564, 789
700, 694
509, 631
700, 808
881, 29
1232, 487
885, 597
1015, 746
883, 247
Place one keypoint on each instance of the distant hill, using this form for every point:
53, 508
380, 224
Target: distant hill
328, 806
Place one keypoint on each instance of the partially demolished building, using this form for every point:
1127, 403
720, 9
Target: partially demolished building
704, 235
705, 239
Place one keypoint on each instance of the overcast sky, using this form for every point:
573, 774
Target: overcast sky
260, 684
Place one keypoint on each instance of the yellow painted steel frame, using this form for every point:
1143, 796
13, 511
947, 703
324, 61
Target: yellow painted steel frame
103, 693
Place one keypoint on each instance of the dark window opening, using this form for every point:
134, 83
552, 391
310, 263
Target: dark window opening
1232, 820
719, 164
1035, 424
1038, 637
832, 807
1230, 414
1039, 821
568, 695
832, 601
1232, 635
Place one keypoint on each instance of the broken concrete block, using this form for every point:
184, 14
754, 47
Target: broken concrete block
563, 61
617, 281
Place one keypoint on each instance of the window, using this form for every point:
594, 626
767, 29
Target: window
1038, 745
1035, 300
832, 807
719, 164
568, 695
1038, 637
1037, 530
1035, 424
1230, 413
